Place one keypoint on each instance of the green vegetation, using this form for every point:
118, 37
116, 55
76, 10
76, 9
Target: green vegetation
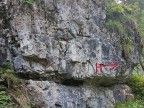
12, 91
136, 82
131, 104
29, 2
115, 26
7, 75
124, 19
5, 100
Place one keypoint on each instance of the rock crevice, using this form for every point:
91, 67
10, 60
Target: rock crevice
63, 44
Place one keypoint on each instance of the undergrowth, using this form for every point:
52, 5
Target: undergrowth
13, 92
5, 100
136, 83
131, 104
29, 2
122, 20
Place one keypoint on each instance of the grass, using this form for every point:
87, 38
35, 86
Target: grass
5, 100
136, 83
12, 89
123, 20
29, 2
131, 104
115, 26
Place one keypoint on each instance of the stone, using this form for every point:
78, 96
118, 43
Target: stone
61, 45
61, 96
80, 96
122, 93
66, 38
130, 97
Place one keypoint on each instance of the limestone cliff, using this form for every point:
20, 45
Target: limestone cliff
63, 45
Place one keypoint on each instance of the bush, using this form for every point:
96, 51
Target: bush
126, 20
131, 104
6, 100
7, 75
9, 78
136, 83
6, 65
12, 89
115, 12
115, 26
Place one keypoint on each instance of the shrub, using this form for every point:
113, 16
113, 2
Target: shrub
115, 12
131, 104
7, 75
5, 100
6, 65
121, 19
12, 89
136, 82
9, 78
115, 26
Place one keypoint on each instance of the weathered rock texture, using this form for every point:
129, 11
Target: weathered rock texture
52, 37
58, 40
54, 95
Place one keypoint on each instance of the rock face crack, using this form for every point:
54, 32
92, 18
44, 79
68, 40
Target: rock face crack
65, 46
72, 82
62, 43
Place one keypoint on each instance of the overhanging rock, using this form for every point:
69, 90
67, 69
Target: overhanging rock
64, 38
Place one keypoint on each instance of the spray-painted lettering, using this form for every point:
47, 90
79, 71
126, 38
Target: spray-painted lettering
112, 66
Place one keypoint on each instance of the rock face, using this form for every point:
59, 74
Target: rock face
54, 95
60, 96
64, 37
58, 40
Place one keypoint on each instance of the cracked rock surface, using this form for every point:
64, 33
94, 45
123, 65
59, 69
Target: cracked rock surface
48, 94
52, 41
64, 37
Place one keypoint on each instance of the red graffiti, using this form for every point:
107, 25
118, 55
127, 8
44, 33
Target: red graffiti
112, 66
99, 66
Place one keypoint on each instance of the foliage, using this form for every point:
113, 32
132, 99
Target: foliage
7, 75
123, 19
10, 78
115, 11
29, 2
131, 104
115, 26
12, 89
6, 65
136, 83
5, 100
127, 45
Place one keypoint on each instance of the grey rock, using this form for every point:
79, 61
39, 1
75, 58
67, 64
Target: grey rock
61, 96
61, 40
122, 93
65, 37
54, 95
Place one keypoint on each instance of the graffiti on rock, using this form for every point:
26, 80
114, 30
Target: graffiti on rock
111, 66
